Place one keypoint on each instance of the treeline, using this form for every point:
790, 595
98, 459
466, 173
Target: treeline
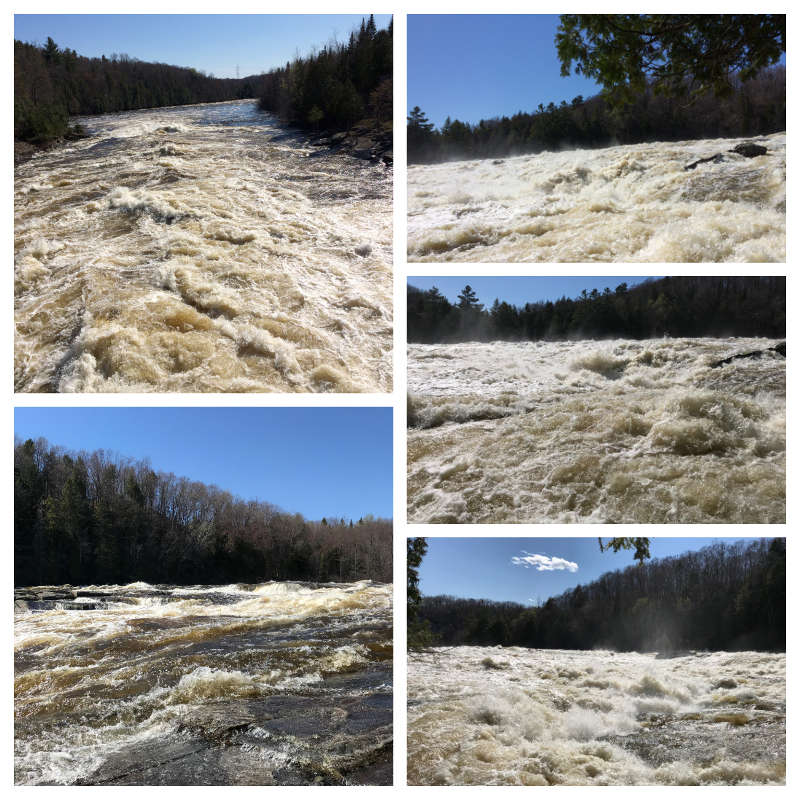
93, 518
338, 86
723, 597
755, 107
51, 84
677, 306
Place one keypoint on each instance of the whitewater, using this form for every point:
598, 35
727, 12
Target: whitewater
268, 684
624, 203
617, 431
514, 716
201, 249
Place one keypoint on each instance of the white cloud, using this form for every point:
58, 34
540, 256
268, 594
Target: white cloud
543, 563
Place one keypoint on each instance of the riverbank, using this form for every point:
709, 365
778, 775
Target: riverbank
24, 151
361, 141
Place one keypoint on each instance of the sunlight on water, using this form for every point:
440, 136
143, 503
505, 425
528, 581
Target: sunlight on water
201, 249
613, 431
625, 203
494, 715
205, 684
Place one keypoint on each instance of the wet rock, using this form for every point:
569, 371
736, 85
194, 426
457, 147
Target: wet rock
665, 739
717, 158
779, 348
749, 150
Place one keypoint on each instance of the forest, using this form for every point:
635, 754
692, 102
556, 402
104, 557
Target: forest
338, 86
329, 90
51, 84
94, 518
664, 77
754, 108
722, 597
689, 306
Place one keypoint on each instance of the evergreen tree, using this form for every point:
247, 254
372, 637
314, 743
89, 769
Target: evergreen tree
672, 53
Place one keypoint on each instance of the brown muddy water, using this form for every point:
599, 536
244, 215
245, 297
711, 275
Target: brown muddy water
624, 203
514, 716
620, 431
201, 249
270, 684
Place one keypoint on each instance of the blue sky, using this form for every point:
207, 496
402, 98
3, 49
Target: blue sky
478, 66
484, 567
334, 462
214, 43
518, 291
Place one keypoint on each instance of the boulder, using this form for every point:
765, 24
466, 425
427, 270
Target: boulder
749, 150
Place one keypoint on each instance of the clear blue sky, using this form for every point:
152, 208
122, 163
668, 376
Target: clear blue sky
483, 567
478, 66
518, 291
214, 43
334, 462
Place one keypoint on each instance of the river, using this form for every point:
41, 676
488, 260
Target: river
624, 203
201, 249
270, 684
494, 715
597, 431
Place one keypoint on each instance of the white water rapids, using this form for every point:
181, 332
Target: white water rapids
616, 431
494, 715
625, 203
276, 683
201, 249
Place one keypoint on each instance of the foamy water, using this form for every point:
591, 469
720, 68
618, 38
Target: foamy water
494, 715
269, 684
626, 203
614, 431
201, 249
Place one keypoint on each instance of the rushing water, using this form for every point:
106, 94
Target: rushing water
201, 249
493, 715
614, 431
626, 203
278, 683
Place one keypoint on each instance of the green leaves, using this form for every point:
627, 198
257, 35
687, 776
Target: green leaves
675, 54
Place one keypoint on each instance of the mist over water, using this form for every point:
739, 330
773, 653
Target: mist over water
613, 431
201, 248
494, 715
277, 683
625, 203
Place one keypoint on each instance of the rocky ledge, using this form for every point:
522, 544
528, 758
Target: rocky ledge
362, 142
746, 149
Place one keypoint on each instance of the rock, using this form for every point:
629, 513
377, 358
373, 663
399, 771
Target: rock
716, 159
364, 147
779, 348
749, 150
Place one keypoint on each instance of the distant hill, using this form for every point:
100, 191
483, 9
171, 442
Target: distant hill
723, 597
